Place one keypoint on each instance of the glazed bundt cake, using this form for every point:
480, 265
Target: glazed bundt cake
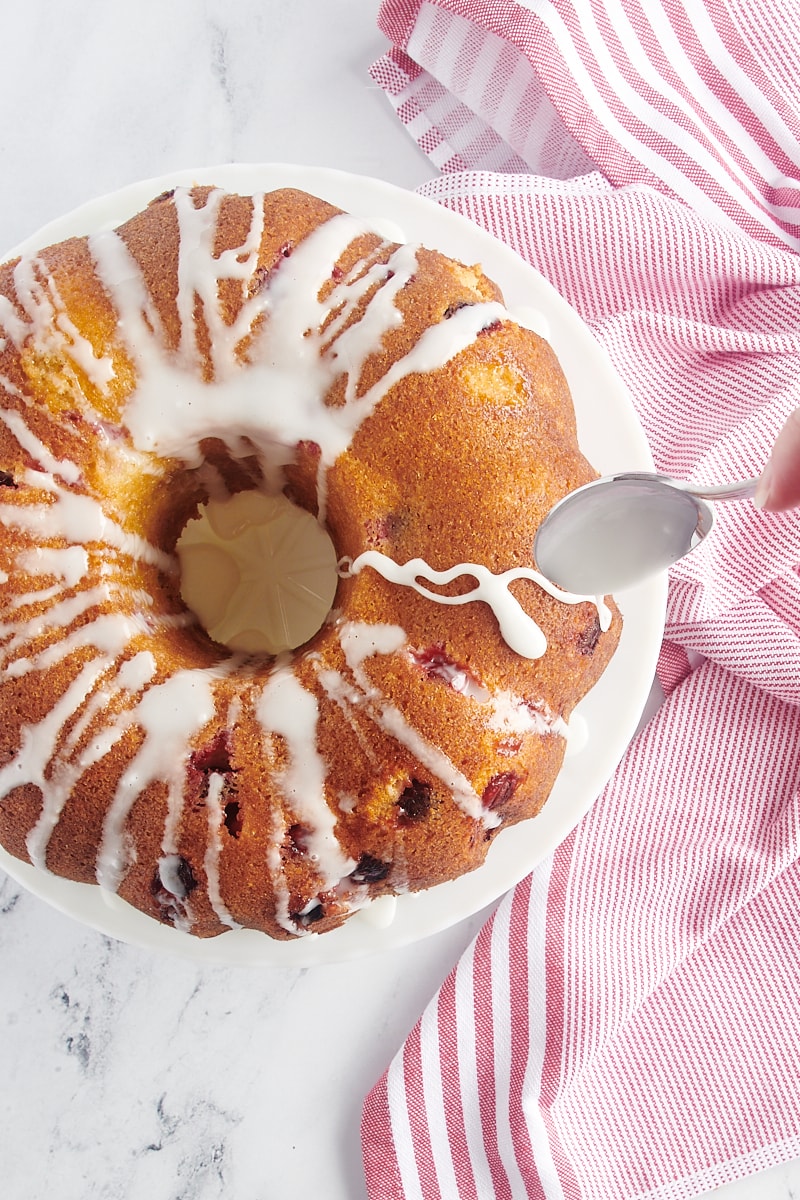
217, 344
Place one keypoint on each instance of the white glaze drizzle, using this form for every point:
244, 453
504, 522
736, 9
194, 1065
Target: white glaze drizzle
359, 642
15, 327
37, 749
511, 714
380, 912
177, 708
57, 617
272, 369
506, 712
285, 708
56, 773
171, 714
295, 358
179, 907
108, 633
216, 823
40, 596
348, 697
37, 449
463, 682
518, 629
68, 563
78, 519
54, 333
132, 677
280, 888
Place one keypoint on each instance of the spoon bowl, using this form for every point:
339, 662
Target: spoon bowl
619, 530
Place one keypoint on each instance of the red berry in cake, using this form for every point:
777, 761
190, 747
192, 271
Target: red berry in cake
234, 822
415, 801
215, 756
438, 664
589, 636
370, 870
312, 913
171, 885
298, 836
500, 789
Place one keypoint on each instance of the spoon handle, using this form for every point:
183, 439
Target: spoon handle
724, 491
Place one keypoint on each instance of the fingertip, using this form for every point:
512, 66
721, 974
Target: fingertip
778, 488
763, 490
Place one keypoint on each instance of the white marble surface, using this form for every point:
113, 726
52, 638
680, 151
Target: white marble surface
126, 1075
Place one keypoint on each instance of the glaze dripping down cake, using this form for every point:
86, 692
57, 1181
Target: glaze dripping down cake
216, 344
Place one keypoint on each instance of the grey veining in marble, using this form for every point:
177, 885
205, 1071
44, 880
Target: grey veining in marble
98, 94
132, 1075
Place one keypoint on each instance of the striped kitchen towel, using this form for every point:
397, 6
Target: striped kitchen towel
628, 1022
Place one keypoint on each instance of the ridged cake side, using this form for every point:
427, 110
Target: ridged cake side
217, 343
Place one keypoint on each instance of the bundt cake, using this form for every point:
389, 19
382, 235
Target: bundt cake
216, 344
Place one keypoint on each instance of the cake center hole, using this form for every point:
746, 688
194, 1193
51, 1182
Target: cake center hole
258, 572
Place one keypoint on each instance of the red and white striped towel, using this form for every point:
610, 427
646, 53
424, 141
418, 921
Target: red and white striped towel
628, 1023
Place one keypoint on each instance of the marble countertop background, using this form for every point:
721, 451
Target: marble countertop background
130, 1075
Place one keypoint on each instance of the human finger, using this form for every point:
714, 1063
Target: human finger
779, 485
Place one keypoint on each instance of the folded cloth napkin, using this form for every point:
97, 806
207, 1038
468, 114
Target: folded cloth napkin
628, 1023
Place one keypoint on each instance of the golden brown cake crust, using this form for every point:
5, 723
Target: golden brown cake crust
136, 752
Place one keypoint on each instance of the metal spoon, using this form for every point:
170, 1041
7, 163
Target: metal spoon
619, 530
